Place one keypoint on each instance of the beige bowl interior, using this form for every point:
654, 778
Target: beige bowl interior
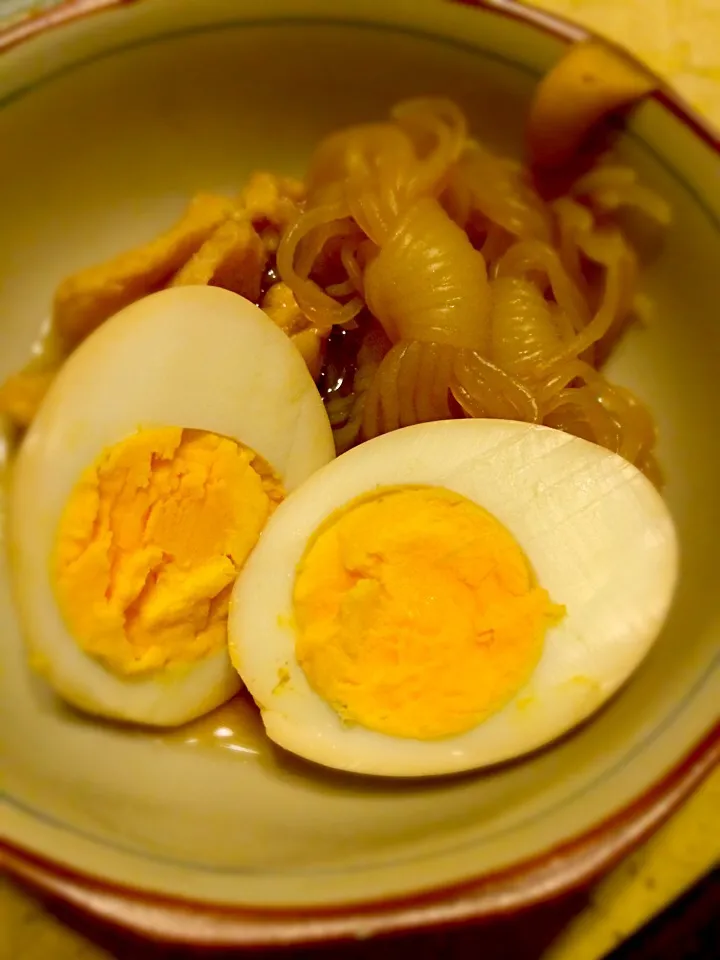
106, 127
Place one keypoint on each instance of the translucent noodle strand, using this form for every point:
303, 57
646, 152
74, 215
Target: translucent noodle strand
478, 297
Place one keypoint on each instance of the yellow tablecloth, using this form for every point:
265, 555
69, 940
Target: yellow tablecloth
681, 40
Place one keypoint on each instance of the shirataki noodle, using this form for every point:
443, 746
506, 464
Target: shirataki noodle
469, 294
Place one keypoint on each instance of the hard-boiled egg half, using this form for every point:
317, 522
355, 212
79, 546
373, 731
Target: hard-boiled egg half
163, 447
451, 595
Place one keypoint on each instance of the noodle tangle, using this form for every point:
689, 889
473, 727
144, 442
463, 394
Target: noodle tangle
471, 296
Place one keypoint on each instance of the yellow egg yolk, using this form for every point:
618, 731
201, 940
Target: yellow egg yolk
151, 541
417, 614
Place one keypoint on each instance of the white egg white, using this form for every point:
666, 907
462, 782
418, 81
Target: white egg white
598, 536
193, 357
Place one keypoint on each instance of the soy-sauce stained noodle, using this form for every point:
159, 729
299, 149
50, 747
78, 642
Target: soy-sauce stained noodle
492, 302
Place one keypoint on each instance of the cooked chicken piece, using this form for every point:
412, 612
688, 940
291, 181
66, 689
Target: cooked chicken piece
271, 200
233, 256
590, 83
280, 305
85, 299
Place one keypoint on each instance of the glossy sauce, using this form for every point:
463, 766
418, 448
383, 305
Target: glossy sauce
234, 727
338, 372
48, 350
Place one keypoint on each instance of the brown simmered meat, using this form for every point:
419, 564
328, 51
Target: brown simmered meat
87, 298
268, 199
587, 85
233, 257
281, 306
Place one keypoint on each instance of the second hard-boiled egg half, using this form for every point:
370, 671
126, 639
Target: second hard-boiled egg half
451, 595
162, 449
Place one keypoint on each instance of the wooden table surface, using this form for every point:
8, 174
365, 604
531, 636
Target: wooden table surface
681, 40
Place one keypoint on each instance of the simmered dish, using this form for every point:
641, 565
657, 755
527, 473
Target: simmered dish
347, 441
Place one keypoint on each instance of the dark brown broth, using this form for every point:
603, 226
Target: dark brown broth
338, 372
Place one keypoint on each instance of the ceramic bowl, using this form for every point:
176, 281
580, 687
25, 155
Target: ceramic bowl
107, 123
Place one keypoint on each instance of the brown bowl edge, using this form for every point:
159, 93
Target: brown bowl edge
556, 871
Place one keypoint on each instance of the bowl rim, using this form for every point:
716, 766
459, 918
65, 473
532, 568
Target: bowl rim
39, 20
557, 871
553, 872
